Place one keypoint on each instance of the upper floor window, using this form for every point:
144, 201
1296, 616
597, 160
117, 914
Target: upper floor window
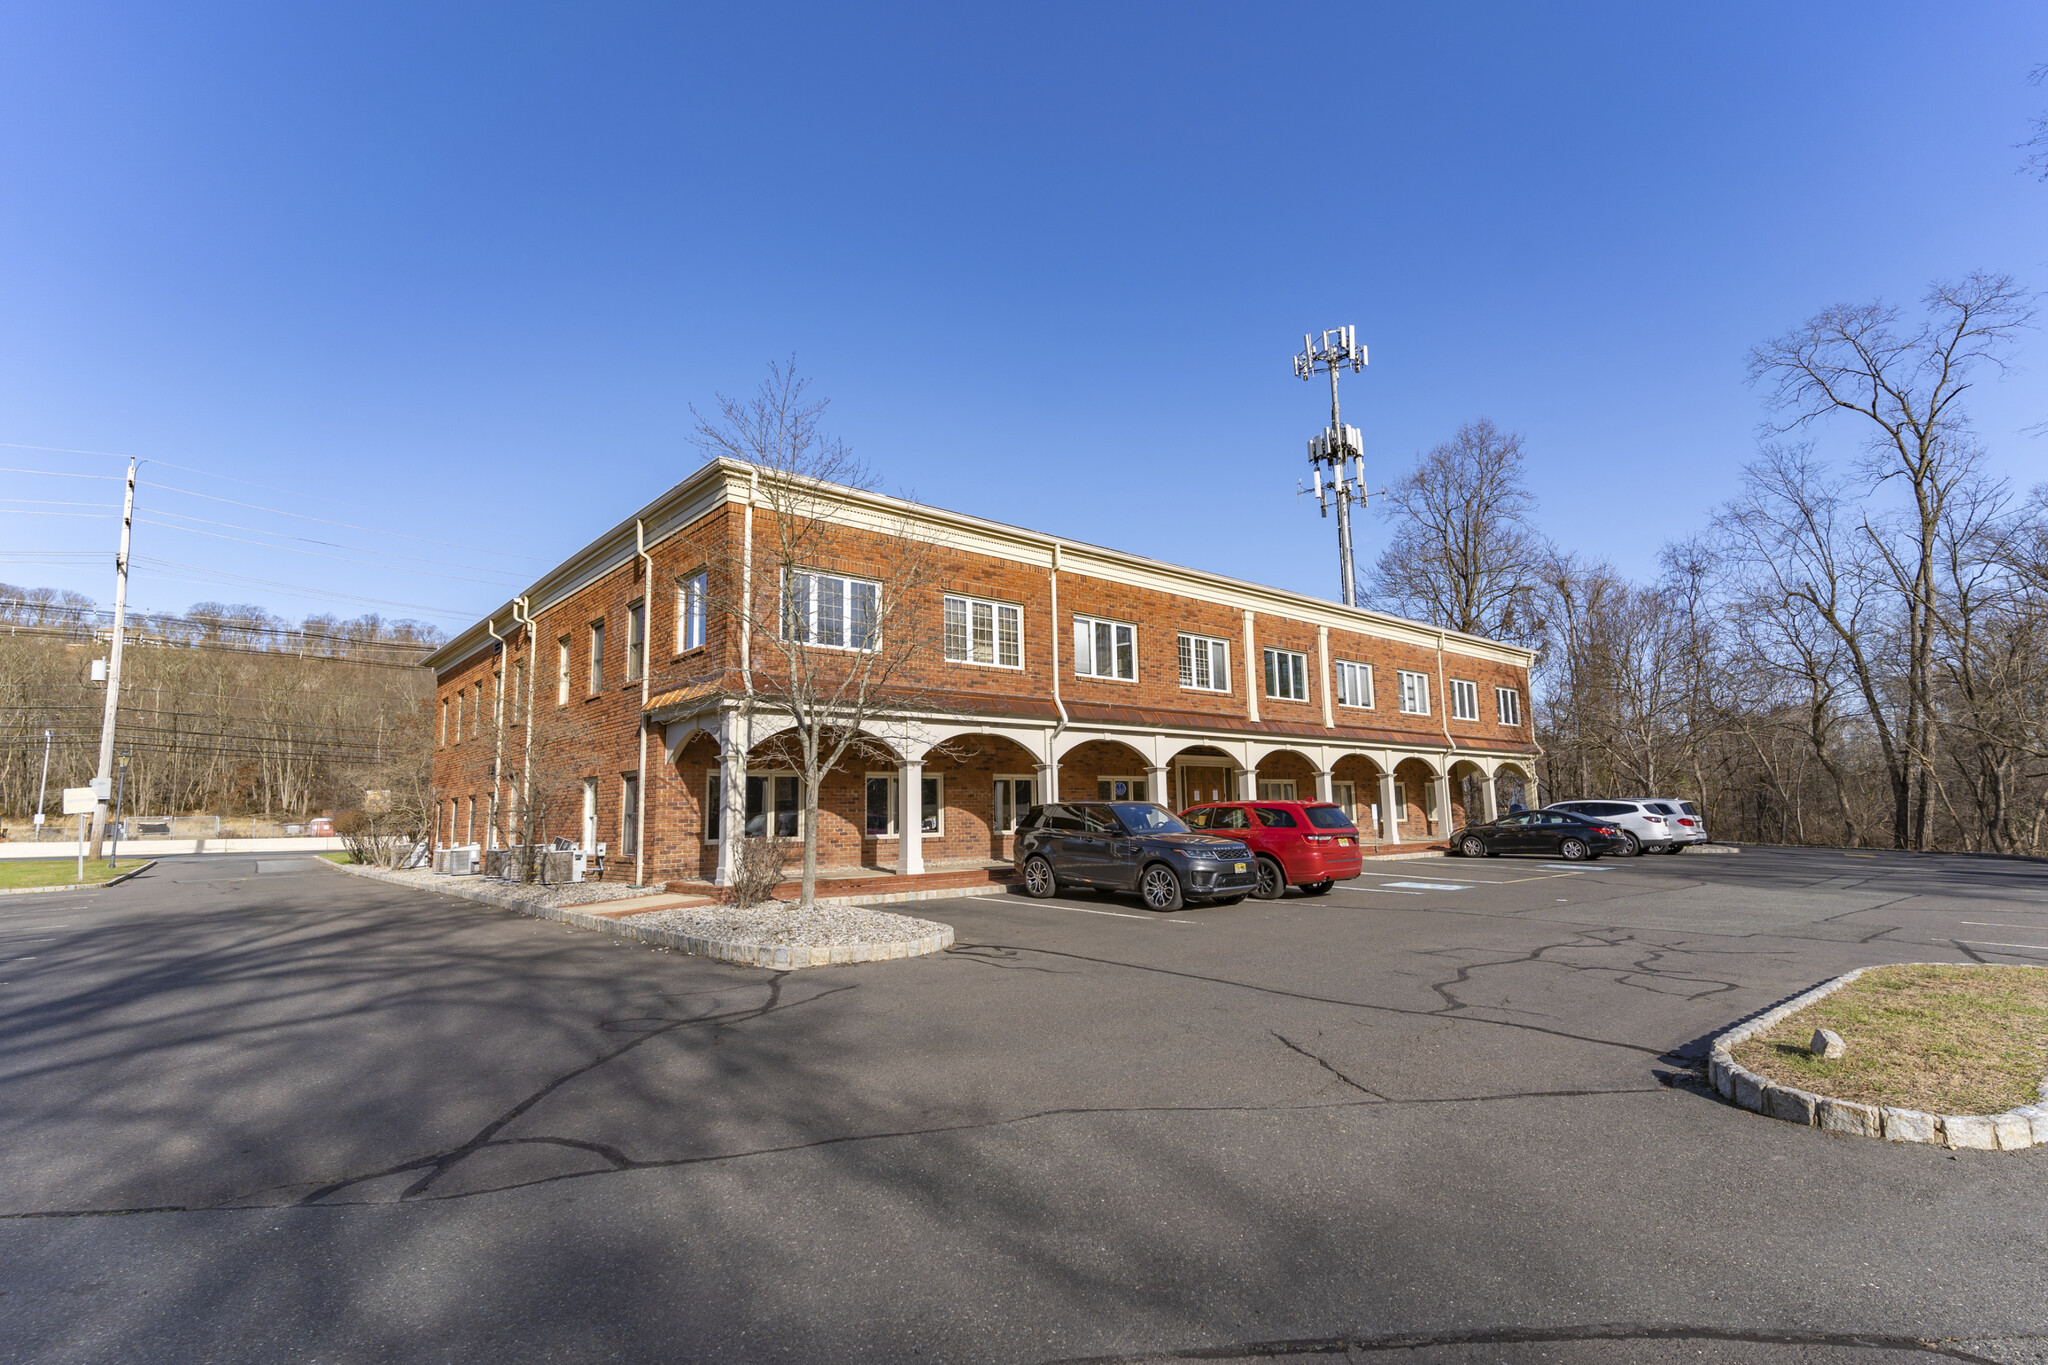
979, 632
1464, 700
826, 609
1354, 684
1204, 663
476, 712
458, 715
498, 697
1509, 702
562, 671
690, 592
444, 720
519, 692
636, 640
1414, 692
597, 656
1286, 675
1105, 649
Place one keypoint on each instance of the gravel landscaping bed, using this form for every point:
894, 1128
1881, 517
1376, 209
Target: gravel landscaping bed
777, 923
511, 895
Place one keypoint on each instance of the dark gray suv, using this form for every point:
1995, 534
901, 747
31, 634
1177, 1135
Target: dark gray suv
1130, 846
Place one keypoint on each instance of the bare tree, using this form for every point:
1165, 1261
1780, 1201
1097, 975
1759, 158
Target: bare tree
1463, 554
833, 606
1907, 382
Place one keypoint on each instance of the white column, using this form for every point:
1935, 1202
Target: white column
1489, 800
1048, 788
1247, 782
1159, 786
1390, 819
732, 812
910, 818
1325, 790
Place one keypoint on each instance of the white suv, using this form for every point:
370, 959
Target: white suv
1646, 826
1688, 826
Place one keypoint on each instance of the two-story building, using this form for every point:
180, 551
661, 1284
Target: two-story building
615, 691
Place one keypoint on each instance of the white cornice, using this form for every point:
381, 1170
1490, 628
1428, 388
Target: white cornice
720, 481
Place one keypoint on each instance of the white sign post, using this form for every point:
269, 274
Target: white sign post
81, 802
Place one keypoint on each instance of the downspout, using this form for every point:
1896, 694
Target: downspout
1054, 633
646, 656
498, 702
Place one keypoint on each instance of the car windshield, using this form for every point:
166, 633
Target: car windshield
1142, 817
1329, 817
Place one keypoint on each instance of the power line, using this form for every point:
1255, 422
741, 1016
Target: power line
330, 544
293, 549
61, 474
316, 593
325, 521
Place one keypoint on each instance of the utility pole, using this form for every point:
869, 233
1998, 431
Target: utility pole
1340, 447
102, 777
43, 790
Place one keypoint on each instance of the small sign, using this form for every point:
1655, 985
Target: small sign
39, 817
103, 789
99, 670
80, 800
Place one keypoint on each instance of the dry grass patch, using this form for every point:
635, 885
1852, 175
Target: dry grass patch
1947, 1040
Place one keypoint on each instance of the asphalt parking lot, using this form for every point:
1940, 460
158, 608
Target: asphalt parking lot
1445, 1113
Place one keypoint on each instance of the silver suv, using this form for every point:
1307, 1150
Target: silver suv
1646, 826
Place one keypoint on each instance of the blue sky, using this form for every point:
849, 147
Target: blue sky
460, 272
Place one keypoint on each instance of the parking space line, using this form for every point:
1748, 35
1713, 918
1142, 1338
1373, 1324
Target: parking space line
1118, 914
1985, 943
1431, 886
1374, 890
1994, 924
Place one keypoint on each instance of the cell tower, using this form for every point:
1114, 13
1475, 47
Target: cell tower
1338, 446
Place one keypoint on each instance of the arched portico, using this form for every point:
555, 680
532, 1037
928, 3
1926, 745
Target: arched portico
1111, 770
1471, 793
1289, 775
1202, 772
1355, 785
1513, 785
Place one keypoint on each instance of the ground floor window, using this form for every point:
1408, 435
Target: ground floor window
1120, 789
774, 800
629, 816
1013, 798
1276, 791
883, 804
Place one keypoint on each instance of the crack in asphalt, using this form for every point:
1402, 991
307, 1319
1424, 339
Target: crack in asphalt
619, 1162
1942, 1347
1325, 1065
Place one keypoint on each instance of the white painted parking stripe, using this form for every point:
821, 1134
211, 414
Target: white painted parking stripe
1994, 924
1431, 886
1565, 867
1985, 943
1378, 892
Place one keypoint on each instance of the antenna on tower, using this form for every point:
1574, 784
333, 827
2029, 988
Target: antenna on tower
1339, 447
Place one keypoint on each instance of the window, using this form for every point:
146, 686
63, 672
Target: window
768, 794
636, 640
469, 825
1274, 791
1354, 684
629, 815
1120, 789
1286, 675
825, 609
519, 693
498, 697
1105, 649
444, 720
1464, 700
476, 712
1333, 816
1013, 798
883, 805
690, 593
1274, 818
979, 632
1509, 703
1204, 663
596, 656
1414, 692
562, 671
458, 715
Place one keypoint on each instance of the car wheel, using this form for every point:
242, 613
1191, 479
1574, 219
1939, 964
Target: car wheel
1473, 847
1321, 888
1272, 881
1572, 850
1631, 847
1038, 879
1160, 888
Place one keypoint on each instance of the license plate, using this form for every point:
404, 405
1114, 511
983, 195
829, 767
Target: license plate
1237, 867
1344, 843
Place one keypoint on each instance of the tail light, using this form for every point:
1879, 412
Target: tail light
1654, 819
1683, 821
1321, 838
1605, 829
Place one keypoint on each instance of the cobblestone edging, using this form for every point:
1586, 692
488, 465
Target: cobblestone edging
2015, 1128
779, 956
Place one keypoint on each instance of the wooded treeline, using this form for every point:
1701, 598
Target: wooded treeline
1850, 651
225, 709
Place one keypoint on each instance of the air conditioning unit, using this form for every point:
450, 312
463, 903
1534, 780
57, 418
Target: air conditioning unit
467, 861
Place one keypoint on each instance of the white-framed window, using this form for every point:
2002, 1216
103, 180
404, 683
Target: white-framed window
883, 805
444, 720
1204, 663
1414, 692
983, 632
831, 610
1276, 791
774, 801
1120, 789
1464, 700
690, 594
1286, 675
597, 656
519, 692
562, 671
1509, 703
469, 825
498, 697
458, 715
1354, 684
636, 640
1014, 796
476, 711
1400, 802
629, 815
1105, 649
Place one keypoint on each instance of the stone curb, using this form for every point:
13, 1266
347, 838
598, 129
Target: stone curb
2023, 1126
78, 886
775, 957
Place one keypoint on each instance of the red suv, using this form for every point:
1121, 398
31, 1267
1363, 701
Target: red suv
1309, 844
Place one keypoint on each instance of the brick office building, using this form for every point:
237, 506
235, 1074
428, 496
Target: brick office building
1054, 669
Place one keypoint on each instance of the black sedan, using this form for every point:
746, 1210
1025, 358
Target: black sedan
1130, 846
1553, 833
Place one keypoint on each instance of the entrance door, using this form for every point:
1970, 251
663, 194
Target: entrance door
1203, 782
1345, 794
